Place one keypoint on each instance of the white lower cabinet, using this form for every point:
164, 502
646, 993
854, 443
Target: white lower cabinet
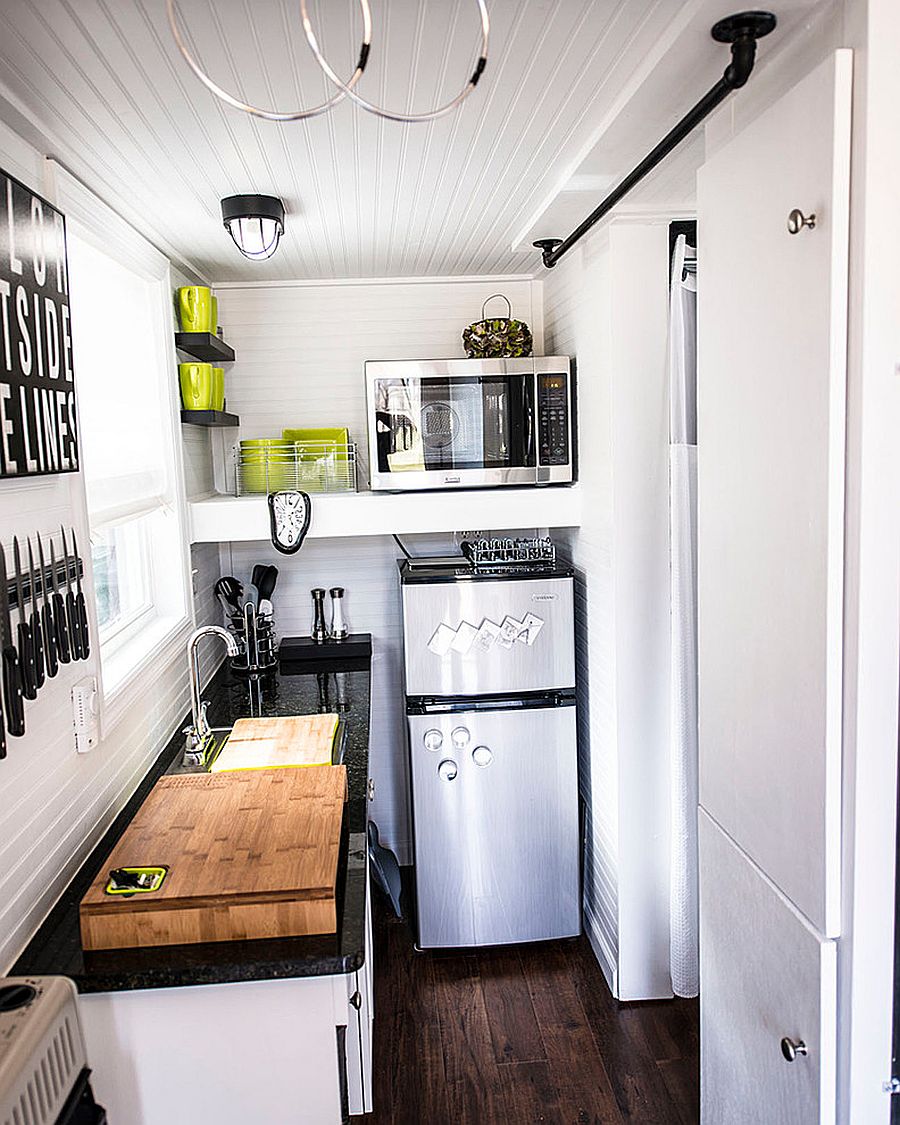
769, 989
356, 1000
250, 1051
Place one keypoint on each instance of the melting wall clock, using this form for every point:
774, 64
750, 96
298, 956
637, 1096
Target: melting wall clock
289, 516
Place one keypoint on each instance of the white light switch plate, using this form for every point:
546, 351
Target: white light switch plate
85, 718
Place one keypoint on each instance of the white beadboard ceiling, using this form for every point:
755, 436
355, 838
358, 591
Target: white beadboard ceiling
102, 87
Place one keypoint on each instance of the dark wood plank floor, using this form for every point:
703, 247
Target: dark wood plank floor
519, 1035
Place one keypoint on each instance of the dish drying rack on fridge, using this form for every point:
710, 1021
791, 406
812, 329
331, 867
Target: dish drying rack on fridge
309, 466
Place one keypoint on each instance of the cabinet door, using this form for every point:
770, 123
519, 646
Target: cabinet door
766, 975
358, 1043
772, 368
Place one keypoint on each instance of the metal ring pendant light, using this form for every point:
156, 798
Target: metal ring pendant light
391, 115
274, 114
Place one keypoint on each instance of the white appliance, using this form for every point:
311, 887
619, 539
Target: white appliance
44, 1077
490, 683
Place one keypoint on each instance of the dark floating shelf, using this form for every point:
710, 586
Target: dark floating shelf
299, 650
204, 346
209, 418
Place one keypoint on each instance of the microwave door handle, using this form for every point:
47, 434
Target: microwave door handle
530, 452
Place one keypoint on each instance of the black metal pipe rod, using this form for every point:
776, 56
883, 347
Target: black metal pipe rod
743, 53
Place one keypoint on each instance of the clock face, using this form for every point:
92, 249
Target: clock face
289, 515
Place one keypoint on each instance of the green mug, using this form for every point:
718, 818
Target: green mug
197, 382
214, 315
195, 308
218, 393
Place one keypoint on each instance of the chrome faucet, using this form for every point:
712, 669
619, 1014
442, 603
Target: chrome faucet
199, 730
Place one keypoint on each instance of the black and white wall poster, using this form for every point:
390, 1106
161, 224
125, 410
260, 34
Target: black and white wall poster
38, 429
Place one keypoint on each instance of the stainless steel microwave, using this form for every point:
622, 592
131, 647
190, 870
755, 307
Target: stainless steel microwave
470, 423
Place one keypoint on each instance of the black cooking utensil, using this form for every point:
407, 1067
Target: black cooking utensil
50, 658
34, 624
231, 590
23, 633
9, 658
80, 605
257, 574
71, 612
59, 613
266, 582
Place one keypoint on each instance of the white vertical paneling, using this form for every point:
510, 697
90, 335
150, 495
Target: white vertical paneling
198, 461
54, 803
577, 322
300, 355
607, 305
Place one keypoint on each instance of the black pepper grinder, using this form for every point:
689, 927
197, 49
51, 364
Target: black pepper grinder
319, 633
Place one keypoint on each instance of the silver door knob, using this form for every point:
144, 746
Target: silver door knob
482, 756
447, 770
796, 221
791, 1048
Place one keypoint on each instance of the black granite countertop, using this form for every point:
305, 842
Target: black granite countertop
301, 689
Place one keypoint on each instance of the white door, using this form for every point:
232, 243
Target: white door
768, 998
772, 313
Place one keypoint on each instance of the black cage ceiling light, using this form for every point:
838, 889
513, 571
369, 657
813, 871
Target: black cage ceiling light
344, 89
255, 223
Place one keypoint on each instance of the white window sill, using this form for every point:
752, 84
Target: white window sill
161, 644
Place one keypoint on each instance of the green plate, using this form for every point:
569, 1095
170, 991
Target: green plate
322, 458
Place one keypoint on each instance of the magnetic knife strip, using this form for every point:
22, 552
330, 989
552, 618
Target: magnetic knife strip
43, 622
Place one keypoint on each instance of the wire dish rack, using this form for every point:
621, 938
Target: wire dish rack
306, 465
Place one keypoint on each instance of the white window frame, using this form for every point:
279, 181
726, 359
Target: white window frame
164, 639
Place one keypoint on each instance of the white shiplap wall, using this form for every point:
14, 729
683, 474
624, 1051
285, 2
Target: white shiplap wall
577, 321
300, 354
54, 803
606, 303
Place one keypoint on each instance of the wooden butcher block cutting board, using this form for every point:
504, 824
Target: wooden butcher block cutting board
290, 740
250, 854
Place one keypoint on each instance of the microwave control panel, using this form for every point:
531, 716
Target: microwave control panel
553, 419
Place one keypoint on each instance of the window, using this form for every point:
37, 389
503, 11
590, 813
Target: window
121, 325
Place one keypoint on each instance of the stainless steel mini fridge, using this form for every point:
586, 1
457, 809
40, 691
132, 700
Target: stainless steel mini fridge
490, 684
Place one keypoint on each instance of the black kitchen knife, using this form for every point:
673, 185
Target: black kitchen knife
71, 612
50, 657
37, 635
9, 658
59, 613
25, 647
81, 605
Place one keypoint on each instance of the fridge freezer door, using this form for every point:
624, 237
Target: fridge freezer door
476, 637
495, 804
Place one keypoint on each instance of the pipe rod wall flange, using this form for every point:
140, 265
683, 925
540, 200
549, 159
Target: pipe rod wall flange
546, 247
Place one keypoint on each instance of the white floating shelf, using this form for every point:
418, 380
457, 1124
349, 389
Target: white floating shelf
230, 519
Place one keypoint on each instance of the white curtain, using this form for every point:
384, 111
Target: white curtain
683, 584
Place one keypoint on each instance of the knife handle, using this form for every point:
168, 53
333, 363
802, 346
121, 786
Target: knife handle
84, 635
12, 692
26, 661
49, 641
72, 622
37, 645
2, 736
62, 631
